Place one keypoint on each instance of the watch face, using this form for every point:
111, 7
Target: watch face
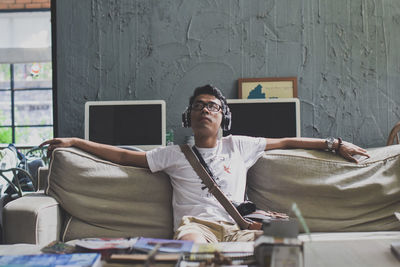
329, 142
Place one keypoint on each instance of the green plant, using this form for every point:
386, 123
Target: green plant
5, 132
4, 72
5, 135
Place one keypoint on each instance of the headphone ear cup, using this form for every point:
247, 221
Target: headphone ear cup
227, 120
186, 118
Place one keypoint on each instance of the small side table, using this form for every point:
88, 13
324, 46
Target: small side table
350, 249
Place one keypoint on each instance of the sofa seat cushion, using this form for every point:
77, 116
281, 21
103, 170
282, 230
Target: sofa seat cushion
332, 193
102, 199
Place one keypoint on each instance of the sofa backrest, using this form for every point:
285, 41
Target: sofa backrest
332, 193
102, 199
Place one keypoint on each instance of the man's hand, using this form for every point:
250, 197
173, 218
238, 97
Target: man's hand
57, 142
348, 150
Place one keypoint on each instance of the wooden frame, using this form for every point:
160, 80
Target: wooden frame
285, 87
394, 135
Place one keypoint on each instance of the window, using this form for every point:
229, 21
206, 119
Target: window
26, 116
26, 108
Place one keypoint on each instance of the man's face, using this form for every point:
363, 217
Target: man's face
206, 115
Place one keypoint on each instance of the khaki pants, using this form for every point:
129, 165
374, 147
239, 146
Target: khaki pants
215, 232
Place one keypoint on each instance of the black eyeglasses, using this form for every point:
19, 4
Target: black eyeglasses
211, 106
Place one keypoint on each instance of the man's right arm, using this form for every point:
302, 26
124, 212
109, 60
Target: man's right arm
107, 152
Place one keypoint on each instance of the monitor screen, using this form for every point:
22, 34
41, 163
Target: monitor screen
126, 123
272, 118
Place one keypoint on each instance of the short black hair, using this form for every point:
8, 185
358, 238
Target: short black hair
209, 90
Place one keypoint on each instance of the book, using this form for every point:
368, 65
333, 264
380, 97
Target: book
146, 245
106, 246
106, 243
237, 251
224, 247
57, 247
157, 250
167, 257
52, 260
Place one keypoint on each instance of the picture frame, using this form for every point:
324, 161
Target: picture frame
280, 87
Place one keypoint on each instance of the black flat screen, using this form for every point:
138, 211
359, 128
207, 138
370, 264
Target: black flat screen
129, 125
268, 119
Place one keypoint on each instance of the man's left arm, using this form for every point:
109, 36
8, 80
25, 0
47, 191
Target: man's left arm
345, 149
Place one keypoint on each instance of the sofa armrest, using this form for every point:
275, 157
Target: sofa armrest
34, 218
43, 172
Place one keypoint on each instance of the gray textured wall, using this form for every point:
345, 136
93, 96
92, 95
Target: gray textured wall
344, 53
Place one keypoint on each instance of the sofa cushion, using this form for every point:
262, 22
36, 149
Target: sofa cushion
103, 199
332, 193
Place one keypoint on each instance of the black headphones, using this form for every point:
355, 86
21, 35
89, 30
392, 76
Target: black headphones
225, 123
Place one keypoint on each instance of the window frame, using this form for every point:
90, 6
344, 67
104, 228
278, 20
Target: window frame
12, 89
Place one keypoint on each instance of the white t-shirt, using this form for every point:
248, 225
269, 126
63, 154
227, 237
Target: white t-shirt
228, 161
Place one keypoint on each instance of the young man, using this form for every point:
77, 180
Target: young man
198, 216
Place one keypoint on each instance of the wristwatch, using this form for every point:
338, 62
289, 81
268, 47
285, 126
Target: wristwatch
329, 143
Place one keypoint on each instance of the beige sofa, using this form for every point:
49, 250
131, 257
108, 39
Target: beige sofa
85, 196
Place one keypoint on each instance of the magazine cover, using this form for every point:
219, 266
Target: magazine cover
51, 260
166, 245
106, 243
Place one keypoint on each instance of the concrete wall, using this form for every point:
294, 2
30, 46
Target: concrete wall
344, 53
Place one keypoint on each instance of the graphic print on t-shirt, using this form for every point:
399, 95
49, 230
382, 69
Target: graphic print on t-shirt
220, 168
227, 169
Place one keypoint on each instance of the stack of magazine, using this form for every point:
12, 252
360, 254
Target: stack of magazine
180, 252
187, 253
89, 252
222, 253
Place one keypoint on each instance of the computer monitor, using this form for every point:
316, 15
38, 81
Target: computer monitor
272, 118
139, 124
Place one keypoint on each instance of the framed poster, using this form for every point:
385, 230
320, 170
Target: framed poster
253, 88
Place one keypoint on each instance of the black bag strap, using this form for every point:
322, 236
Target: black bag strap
214, 189
203, 163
